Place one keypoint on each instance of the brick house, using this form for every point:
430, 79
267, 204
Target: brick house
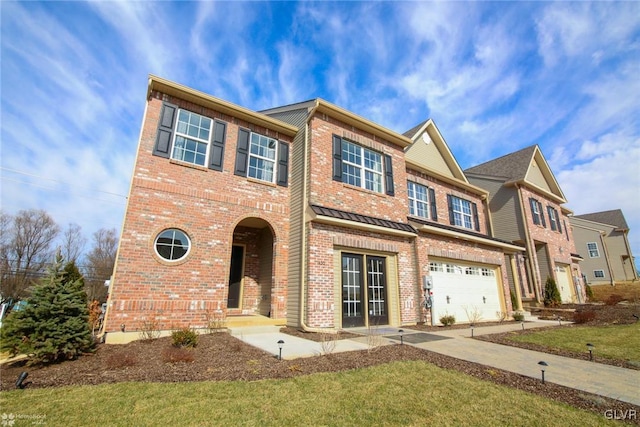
526, 205
306, 215
603, 242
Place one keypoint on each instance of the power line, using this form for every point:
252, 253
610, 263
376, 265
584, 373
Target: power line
66, 191
61, 182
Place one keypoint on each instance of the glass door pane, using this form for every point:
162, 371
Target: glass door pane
352, 292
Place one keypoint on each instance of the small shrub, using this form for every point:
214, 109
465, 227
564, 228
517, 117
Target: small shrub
215, 321
185, 337
502, 315
551, 294
584, 316
150, 329
589, 292
518, 316
177, 354
328, 343
448, 319
121, 360
614, 299
474, 314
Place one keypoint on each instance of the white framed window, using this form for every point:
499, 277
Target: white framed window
592, 247
192, 137
554, 219
536, 212
418, 199
461, 212
598, 274
487, 272
472, 271
172, 244
435, 266
262, 157
361, 167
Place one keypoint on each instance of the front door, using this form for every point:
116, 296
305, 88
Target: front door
364, 290
235, 276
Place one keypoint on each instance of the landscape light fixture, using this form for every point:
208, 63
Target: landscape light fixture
122, 327
590, 347
280, 345
559, 320
522, 324
471, 326
401, 332
542, 364
20, 382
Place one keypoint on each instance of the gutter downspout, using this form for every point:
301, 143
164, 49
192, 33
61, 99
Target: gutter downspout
305, 205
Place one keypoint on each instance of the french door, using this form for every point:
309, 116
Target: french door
364, 290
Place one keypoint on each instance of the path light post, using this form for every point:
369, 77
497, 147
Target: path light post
543, 365
471, 326
280, 345
590, 347
20, 382
401, 332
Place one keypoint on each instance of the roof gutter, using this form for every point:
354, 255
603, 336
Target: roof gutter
200, 98
507, 247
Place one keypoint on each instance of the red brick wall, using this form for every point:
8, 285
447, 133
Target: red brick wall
326, 192
442, 189
205, 204
324, 239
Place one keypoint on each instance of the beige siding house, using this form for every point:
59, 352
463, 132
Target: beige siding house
527, 208
602, 240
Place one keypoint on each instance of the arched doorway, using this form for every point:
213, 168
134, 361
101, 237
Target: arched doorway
251, 276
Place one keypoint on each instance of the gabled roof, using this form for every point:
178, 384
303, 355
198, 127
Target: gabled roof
319, 105
430, 154
613, 217
527, 166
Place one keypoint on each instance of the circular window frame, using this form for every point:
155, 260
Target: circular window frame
164, 260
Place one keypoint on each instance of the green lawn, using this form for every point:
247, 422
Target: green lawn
613, 342
401, 393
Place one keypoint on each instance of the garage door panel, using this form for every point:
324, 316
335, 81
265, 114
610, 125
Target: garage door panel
469, 295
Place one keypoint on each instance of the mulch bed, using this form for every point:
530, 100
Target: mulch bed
222, 357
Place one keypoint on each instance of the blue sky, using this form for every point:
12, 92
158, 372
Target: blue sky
494, 76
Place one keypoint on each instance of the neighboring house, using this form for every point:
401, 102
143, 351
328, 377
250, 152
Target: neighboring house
526, 205
602, 240
306, 214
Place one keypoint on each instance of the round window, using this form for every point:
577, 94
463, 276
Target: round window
172, 244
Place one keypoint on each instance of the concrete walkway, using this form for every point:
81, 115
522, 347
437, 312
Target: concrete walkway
604, 380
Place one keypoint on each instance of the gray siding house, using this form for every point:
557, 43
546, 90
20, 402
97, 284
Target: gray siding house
602, 240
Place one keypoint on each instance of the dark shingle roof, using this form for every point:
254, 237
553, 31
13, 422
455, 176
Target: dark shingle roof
411, 132
512, 166
363, 219
612, 217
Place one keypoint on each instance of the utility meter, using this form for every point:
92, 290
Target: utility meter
427, 283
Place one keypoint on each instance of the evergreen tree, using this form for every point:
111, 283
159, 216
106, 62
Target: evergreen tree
54, 324
551, 294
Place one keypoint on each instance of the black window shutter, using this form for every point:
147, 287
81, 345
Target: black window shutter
558, 222
337, 158
388, 175
532, 203
216, 157
283, 164
449, 202
552, 218
165, 130
432, 204
242, 152
566, 230
544, 222
476, 220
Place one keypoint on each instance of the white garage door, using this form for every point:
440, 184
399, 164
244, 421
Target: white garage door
468, 292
